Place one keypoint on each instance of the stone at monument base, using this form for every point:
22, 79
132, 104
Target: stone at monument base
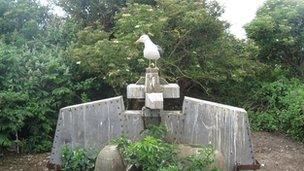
109, 159
186, 150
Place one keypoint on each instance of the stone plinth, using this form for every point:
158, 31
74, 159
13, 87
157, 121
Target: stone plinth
171, 90
154, 100
152, 84
137, 91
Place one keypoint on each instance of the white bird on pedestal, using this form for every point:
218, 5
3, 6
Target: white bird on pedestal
151, 50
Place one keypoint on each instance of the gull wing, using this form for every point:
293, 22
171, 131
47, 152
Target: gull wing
160, 50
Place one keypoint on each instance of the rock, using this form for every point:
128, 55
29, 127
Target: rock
187, 150
219, 160
109, 159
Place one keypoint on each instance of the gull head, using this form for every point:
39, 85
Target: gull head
142, 39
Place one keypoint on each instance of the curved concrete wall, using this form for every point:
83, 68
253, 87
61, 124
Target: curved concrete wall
94, 124
88, 125
225, 127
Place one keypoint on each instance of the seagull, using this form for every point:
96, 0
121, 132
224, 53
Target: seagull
151, 50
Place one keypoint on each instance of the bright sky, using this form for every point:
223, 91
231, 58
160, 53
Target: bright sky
237, 13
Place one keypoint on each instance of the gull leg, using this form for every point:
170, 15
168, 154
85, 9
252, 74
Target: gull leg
155, 64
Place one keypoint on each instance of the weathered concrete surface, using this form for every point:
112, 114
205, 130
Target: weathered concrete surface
88, 125
94, 124
109, 159
174, 121
152, 83
225, 127
135, 91
171, 90
132, 124
150, 117
154, 100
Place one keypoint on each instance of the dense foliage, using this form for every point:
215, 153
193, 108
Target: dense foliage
279, 107
277, 104
34, 85
154, 153
35, 78
79, 159
198, 52
48, 62
279, 32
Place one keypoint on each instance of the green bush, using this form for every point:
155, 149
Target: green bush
154, 153
157, 131
202, 160
77, 160
279, 106
278, 31
34, 84
150, 154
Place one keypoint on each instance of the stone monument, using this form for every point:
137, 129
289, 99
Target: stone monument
94, 124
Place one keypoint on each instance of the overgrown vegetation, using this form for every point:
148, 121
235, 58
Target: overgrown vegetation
80, 159
48, 62
154, 153
279, 106
277, 103
151, 153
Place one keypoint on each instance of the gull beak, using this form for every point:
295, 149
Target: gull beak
137, 41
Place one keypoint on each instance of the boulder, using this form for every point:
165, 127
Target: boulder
109, 159
187, 150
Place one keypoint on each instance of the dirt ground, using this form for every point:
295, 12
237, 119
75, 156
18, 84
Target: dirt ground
278, 152
36, 162
275, 152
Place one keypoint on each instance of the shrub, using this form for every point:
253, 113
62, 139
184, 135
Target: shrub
202, 160
279, 106
33, 85
77, 160
157, 131
154, 153
150, 154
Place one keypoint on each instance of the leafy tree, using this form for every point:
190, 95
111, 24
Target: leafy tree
95, 12
34, 84
197, 48
60, 32
35, 78
91, 11
278, 30
21, 20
